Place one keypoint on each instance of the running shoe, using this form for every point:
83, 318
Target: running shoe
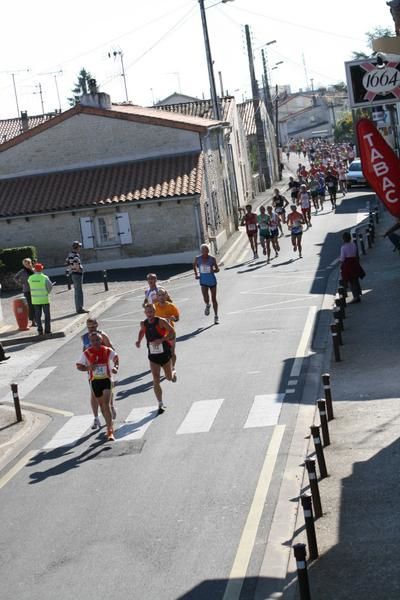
174, 377
110, 436
216, 320
113, 412
264, 252
96, 423
161, 409
207, 309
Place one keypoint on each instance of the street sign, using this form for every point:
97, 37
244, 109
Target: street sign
373, 82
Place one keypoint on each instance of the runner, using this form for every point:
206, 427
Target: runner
92, 327
168, 310
250, 221
331, 181
150, 294
321, 189
342, 179
263, 221
304, 200
205, 266
274, 223
96, 360
159, 334
280, 203
295, 224
314, 188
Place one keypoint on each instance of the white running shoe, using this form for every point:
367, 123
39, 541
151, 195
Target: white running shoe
96, 423
207, 309
216, 320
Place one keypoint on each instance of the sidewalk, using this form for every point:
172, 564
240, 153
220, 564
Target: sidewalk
357, 536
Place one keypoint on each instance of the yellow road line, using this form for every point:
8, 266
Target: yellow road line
247, 540
17, 467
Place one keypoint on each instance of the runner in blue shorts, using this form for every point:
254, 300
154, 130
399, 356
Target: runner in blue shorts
204, 267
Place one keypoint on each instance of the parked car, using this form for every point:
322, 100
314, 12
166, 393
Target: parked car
355, 176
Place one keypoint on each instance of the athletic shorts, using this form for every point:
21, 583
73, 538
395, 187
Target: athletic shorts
210, 287
99, 385
162, 358
265, 235
274, 233
252, 234
314, 193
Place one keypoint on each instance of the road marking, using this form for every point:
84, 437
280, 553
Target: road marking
136, 423
334, 262
264, 411
302, 349
17, 467
69, 433
48, 409
240, 238
247, 540
200, 417
32, 381
264, 306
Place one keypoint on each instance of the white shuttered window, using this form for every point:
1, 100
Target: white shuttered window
106, 230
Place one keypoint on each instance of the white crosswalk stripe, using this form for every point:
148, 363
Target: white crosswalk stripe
265, 411
200, 417
136, 424
71, 432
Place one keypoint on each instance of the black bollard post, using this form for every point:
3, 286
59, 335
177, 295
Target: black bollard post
326, 382
342, 292
105, 280
335, 342
339, 305
68, 276
338, 321
17, 406
302, 575
369, 239
324, 422
362, 245
376, 213
310, 528
354, 238
312, 477
372, 230
319, 451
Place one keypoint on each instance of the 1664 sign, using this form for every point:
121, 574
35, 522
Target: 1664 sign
380, 165
370, 83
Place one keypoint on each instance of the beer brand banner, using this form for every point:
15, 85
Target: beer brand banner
380, 165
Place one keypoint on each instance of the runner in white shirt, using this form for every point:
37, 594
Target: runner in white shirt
304, 201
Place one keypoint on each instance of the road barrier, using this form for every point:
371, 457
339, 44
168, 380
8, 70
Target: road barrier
17, 406
314, 487
310, 527
301, 567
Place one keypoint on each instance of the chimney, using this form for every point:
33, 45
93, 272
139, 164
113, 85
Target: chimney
24, 120
94, 98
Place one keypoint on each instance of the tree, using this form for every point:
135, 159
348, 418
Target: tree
377, 32
81, 86
344, 130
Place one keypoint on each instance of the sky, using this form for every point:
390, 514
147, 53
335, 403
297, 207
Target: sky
162, 46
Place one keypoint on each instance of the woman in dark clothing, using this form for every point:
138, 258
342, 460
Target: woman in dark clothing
22, 278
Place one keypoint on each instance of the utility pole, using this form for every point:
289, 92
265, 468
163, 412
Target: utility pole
261, 149
278, 156
40, 92
267, 90
213, 89
119, 53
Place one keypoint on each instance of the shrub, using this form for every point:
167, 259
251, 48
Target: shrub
11, 258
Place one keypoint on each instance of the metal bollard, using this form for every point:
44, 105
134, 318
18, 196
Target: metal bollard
372, 230
68, 276
376, 213
312, 478
338, 321
354, 238
302, 575
324, 422
369, 239
105, 280
310, 528
17, 406
342, 292
362, 245
339, 305
326, 382
319, 451
335, 342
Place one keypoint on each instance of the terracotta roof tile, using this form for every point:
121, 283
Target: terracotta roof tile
114, 184
199, 108
10, 128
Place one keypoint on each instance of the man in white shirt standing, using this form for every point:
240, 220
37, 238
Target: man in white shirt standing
75, 270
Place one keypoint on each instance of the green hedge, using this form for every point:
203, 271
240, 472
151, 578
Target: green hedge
11, 258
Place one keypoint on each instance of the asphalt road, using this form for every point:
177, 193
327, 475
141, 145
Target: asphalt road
183, 503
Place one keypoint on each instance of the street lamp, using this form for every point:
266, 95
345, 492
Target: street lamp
213, 89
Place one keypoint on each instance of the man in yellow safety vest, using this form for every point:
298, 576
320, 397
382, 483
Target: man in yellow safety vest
41, 286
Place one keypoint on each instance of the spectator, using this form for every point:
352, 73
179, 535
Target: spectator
22, 278
41, 287
75, 270
351, 269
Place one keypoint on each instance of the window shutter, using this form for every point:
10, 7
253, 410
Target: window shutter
87, 232
124, 228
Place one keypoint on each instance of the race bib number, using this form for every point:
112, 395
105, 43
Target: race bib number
251, 227
205, 269
156, 348
100, 372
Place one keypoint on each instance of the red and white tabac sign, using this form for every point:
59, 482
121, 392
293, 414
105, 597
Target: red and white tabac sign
380, 165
